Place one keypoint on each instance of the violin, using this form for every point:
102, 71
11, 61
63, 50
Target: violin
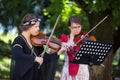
80, 39
41, 39
55, 44
77, 39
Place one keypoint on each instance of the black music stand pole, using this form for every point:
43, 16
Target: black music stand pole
92, 53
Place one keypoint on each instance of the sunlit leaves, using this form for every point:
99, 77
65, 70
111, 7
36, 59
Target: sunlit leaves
70, 8
15, 9
100, 6
64, 7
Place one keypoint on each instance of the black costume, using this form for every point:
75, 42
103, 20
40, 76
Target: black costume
23, 66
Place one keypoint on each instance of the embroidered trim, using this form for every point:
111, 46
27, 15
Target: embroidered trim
32, 49
17, 45
25, 40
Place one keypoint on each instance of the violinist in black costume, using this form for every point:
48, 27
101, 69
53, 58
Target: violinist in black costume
25, 60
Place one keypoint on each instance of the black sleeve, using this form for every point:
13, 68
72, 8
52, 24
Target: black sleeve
18, 54
49, 66
23, 61
48, 57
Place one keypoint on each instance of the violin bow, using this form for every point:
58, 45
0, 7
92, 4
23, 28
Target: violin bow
51, 35
92, 28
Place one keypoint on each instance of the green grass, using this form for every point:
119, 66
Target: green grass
4, 67
5, 61
7, 37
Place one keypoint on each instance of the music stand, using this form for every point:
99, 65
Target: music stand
92, 53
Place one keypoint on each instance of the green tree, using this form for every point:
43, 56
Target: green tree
91, 12
11, 12
94, 10
65, 8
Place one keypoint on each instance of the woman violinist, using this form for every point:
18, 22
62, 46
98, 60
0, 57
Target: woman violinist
72, 71
25, 60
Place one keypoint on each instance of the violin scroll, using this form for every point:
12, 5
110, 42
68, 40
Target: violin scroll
92, 38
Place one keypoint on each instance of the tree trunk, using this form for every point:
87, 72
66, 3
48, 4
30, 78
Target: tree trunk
102, 33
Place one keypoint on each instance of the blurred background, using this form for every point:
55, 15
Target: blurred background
90, 11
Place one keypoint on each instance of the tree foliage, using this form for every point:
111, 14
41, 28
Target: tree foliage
99, 6
65, 8
95, 10
11, 12
90, 11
